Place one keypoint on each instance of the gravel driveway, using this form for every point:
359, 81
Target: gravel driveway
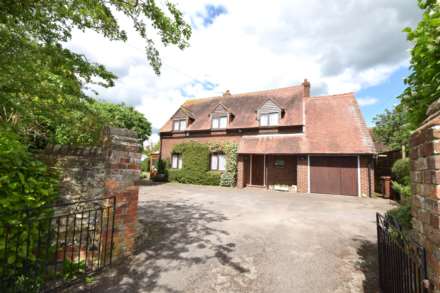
214, 239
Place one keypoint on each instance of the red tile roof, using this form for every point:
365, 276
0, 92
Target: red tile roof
333, 125
244, 107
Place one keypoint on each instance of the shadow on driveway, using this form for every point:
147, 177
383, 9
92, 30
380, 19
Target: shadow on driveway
368, 265
172, 236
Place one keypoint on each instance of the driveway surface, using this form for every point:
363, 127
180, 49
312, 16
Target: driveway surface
214, 239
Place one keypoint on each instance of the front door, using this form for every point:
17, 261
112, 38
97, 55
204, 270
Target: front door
257, 164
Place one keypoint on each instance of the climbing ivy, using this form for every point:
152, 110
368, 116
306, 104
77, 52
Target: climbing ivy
229, 176
195, 167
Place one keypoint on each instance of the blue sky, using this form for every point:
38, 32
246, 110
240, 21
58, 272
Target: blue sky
385, 93
209, 14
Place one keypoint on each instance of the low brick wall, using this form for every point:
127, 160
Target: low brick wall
89, 173
425, 178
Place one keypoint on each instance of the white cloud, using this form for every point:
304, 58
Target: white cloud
367, 101
340, 46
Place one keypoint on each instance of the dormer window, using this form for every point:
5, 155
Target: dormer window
220, 122
269, 114
179, 125
220, 116
269, 119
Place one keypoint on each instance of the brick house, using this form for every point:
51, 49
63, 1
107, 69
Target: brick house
285, 137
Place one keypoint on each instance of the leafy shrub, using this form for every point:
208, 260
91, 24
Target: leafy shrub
145, 165
162, 172
400, 171
25, 185
402, 185
161, 166
210, 178
403, 190
401, 178
24, 181
402, 215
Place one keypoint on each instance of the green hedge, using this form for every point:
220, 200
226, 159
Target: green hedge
209, 178
195, 165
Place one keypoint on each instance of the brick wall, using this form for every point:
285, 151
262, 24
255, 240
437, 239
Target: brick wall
302, 174
425, 186
240, 171
281, 175
110, 169
365, 163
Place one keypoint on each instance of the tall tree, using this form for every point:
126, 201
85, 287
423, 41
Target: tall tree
423, 83
42, 83
392, 128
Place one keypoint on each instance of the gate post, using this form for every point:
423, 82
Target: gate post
123, 152
425, 185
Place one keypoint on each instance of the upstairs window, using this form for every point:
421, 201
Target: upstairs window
219, 122
218, 162
269, 119
179, 125
176, 161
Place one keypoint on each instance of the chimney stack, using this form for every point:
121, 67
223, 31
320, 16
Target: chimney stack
227, 93
306, 85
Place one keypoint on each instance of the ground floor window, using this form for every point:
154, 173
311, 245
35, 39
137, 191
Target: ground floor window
218, 162
279, 163
176, 161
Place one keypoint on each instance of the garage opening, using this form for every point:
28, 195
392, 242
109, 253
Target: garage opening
334, 175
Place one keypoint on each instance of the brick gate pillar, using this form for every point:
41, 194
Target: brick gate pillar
425, 185
123, 151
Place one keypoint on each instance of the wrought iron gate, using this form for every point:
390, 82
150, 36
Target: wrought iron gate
48, 248
402, 262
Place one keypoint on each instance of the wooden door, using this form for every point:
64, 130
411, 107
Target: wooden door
333, 175
257, 170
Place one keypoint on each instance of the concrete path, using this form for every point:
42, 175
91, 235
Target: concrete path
213, 239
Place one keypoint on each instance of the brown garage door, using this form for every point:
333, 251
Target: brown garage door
334, 175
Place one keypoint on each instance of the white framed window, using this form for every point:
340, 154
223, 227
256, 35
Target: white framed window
179, 125
218, 162
219, 122
176, 161
269, 119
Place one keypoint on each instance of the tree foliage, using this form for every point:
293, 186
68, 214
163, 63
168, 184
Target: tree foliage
42, 83
392, 128
423, 83
86, 125
24, 181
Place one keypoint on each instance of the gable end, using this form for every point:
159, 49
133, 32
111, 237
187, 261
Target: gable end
269, 107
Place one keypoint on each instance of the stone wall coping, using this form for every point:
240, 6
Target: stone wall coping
74, 150
120, 132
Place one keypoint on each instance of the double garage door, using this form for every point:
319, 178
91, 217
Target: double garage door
334, 175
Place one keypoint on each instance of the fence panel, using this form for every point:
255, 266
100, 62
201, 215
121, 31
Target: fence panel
48, 248
402, 261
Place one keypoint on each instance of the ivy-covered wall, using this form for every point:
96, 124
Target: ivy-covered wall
196, 164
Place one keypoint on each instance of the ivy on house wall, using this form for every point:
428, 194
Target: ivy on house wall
196, 164
229, 176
